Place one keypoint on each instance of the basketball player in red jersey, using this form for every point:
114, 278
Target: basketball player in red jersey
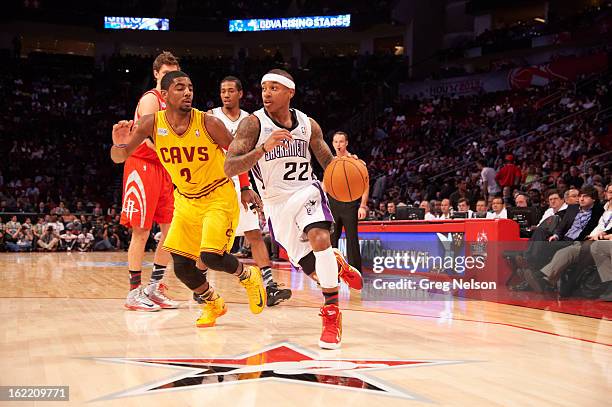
148, 195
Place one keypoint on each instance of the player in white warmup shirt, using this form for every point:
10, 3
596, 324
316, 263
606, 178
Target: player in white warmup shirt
275, 142
231, 115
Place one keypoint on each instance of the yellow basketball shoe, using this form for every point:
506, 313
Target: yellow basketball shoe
211, 310
256, 290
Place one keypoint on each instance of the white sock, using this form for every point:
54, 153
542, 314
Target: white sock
326, 268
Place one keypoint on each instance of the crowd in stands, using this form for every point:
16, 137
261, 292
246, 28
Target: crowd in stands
509, 143
510, 36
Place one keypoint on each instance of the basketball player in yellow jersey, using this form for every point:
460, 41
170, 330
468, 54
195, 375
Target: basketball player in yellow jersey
189, 145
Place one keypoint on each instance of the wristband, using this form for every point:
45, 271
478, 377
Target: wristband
244, 179
120, 145
245, 188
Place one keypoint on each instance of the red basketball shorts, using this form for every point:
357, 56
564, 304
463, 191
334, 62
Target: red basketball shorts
148, 194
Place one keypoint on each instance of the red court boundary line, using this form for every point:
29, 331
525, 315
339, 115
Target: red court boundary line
380, 312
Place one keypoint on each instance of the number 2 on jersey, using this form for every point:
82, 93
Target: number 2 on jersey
187, 174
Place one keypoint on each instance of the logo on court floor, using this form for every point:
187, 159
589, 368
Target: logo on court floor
283, 362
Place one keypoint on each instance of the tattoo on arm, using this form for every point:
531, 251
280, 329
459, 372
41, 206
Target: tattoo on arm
319, 147
242, 154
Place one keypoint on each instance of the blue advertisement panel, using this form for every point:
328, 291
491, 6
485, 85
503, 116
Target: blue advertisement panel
440, 253
137, 23
291, 23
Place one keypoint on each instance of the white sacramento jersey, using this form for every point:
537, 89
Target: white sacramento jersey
286, 169
231, 125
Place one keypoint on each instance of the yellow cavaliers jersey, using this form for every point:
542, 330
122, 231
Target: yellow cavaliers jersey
193, 160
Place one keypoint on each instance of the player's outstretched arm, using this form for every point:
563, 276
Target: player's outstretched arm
319, 147
127, 136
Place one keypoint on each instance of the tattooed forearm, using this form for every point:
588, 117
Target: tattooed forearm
319, 147
242, 154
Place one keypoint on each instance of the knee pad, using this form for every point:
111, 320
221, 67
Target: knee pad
308, 263
327, 268
225, 262
185, 270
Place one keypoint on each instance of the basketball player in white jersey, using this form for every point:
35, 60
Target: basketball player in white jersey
275, 142
231, 115
148, 196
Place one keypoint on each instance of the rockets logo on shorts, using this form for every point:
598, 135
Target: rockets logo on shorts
134, 193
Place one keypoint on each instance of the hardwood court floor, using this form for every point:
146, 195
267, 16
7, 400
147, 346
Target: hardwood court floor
63, 323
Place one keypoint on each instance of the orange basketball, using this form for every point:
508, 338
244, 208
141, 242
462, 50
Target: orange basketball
346, 179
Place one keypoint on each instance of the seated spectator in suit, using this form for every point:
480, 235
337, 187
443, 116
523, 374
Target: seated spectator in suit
555, 204
577, 224
581, 254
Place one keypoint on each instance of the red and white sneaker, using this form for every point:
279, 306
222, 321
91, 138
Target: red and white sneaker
349, 274
138, 301
157, 293
332, 327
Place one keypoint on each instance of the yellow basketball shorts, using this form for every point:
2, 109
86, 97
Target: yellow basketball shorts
206, 224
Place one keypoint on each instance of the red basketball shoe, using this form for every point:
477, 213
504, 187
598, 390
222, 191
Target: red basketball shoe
349, 274
332, 327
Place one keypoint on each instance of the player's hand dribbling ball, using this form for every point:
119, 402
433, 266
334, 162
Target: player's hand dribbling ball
346, 179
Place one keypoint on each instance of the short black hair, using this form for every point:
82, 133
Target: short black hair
231, 78
170, 77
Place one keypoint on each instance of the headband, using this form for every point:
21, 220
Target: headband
274, 77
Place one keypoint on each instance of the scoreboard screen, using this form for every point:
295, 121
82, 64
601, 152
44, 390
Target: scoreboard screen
137, 23
291, 23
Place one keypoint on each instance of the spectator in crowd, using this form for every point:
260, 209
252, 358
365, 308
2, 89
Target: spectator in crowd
571, 196
499, 209
578, 252
68, 239
463, 206
573, 178
487, 178
521, 201
37, 230
49, 240
481, 208
21, 241
85, 240
427, 207
555, 204
390, 215
509, 175
381, 212
445, 209
11, 228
